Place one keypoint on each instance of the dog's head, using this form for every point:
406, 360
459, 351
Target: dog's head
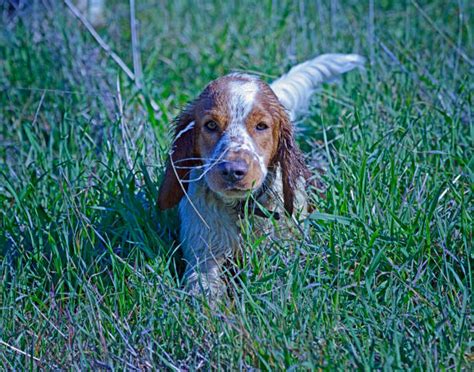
235, 132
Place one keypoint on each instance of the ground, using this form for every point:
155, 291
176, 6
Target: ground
383, 278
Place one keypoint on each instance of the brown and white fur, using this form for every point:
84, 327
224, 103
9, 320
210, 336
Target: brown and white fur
235, 140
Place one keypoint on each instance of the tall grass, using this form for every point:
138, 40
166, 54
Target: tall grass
89, 269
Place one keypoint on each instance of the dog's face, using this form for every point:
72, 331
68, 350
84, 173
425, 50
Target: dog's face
234, 132
237, 130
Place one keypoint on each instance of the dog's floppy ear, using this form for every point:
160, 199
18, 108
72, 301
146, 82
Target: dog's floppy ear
180, 161
291, 161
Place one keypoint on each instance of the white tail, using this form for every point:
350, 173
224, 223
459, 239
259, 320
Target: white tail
295, 88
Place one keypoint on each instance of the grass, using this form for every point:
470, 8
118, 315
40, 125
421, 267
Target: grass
384, 278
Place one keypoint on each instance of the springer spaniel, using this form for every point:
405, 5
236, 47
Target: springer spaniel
234, 152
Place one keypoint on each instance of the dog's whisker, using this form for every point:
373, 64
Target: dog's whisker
191, 159
202, 166
207, 168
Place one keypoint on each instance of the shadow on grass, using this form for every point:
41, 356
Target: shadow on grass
125, 226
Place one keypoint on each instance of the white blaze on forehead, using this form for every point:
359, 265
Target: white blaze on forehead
241, 99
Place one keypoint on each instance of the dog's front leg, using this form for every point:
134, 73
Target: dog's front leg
209, 235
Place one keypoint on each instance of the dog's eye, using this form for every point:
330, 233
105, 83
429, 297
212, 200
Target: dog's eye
261, 126
211, 125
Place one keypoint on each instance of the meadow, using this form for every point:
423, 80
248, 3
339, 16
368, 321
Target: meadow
90, 270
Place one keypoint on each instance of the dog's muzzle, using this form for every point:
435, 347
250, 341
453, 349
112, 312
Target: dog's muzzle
238, 172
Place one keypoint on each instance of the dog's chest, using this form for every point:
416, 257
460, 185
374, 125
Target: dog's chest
213, 227
209, 227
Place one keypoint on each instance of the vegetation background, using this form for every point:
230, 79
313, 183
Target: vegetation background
384, 277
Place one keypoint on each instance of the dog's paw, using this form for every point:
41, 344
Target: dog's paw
210, 286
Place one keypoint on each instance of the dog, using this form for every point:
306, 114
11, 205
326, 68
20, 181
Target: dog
234, 153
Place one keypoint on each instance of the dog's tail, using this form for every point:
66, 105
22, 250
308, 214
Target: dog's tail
295, 88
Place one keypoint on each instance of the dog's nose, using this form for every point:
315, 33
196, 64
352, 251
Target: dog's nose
233, 171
